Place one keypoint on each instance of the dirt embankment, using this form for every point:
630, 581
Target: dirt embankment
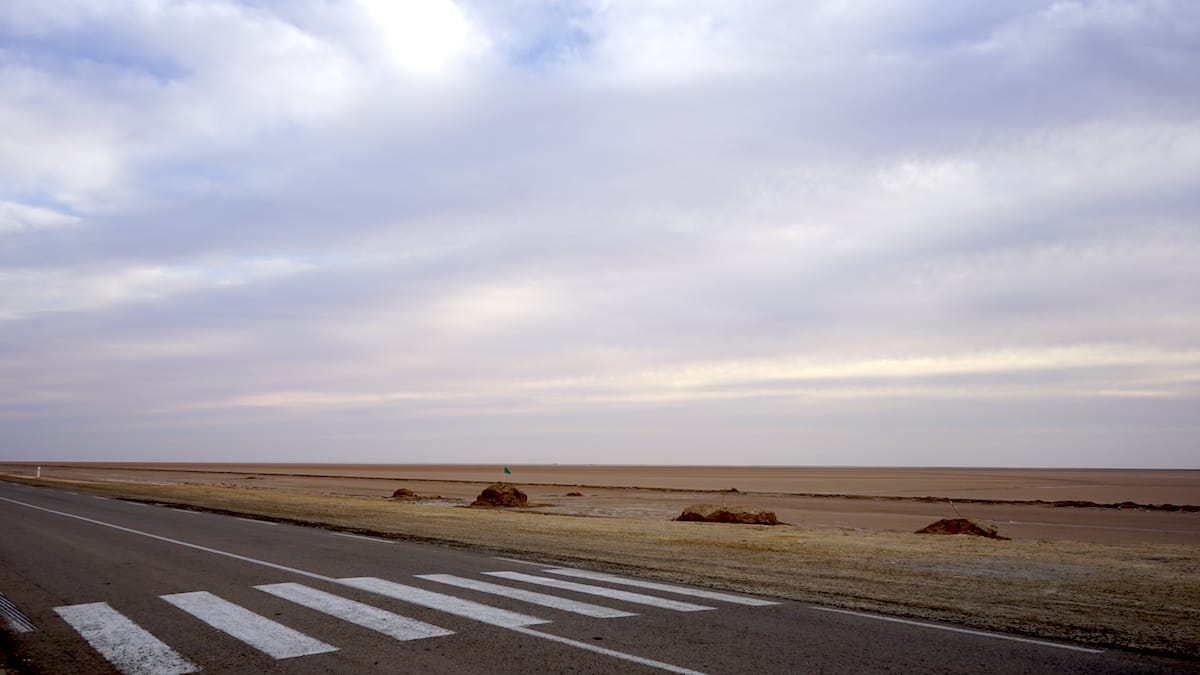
1140, 596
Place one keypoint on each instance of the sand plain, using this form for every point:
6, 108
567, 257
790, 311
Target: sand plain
848, 498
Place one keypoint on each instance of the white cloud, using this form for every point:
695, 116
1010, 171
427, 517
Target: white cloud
423, 37
16, 217
491, 307
1049, 374
25, 292
530, 212
97, 95
946, 176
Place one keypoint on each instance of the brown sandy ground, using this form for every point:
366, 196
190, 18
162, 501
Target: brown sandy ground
1179, 486
1143, 596
607, 492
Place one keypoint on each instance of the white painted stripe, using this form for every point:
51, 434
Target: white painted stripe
444, 603
522, 562
377, 540
125, 644
314, 575
255, 520
608, 652
552, 601
654, 585
967, 631
272, 638
99, 497
177, 542
14, 617
1097, 527
358, 613
625, 596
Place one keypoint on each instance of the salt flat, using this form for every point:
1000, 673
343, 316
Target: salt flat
856, 498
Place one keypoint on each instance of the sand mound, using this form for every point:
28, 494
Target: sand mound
406, 495
501, 494
962, 526
713, 513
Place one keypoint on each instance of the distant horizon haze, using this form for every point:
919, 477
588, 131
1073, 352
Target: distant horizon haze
516, 465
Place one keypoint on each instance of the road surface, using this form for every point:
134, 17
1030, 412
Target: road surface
94, 585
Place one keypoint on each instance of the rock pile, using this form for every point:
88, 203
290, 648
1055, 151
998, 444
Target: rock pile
501, 494
962, 526
714, 513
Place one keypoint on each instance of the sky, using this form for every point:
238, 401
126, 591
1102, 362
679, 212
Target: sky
837, 232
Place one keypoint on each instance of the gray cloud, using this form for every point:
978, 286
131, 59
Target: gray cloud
817, 233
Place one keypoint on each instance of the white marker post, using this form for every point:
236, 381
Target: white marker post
39, 473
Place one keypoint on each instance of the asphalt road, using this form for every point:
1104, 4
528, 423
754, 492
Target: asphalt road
93, 585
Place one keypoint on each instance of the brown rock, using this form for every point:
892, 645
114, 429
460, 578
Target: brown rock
574, 494
713, 513
406, 495
501, 494
962, 526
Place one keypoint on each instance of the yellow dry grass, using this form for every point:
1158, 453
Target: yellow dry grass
1144, 597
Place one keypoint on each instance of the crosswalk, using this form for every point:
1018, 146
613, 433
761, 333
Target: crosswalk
269, 637
128, 646
134, 650
359, 613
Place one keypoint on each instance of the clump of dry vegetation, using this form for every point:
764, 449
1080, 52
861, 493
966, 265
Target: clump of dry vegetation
1140, 596
714, 513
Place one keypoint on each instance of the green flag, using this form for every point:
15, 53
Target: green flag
506, 470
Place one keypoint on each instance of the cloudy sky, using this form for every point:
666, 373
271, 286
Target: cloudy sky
835, 232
